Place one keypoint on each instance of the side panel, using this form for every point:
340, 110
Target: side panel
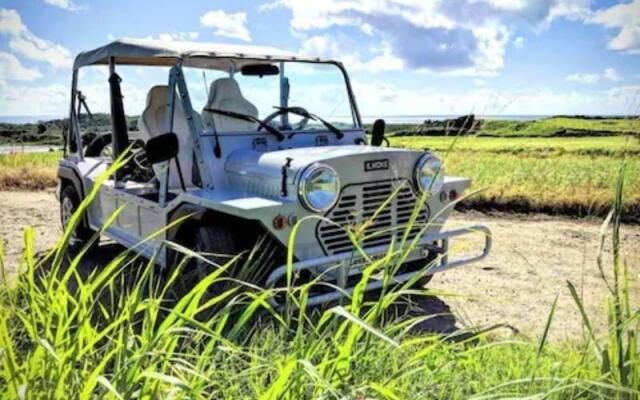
151, 222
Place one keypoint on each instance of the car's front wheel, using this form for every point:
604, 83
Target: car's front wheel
69, 204
421, 265
215, 244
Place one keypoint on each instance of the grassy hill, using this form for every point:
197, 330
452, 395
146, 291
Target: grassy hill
50, 132
546, 127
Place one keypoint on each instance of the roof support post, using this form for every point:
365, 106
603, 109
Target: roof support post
202, 149
284, 97
163, 173
74, 126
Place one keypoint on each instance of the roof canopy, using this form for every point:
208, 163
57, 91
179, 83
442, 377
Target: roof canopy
195, 54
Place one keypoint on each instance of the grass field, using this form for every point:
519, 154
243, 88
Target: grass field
28, 171
614, 146
553, 126
573, 176
117, 333
558, 175
545, 127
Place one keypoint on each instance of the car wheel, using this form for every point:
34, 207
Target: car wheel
216, 244
69, 203
420, 265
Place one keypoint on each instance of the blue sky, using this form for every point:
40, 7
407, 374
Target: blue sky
405, 57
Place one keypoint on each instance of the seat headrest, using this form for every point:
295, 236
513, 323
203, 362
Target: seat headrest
224, 88
157, 96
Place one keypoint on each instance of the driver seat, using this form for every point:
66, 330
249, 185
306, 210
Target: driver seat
225, 94
152, 123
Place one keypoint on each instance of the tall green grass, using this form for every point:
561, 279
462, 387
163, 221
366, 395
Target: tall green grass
117, 332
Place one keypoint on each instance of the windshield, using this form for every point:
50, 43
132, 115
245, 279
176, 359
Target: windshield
319, 89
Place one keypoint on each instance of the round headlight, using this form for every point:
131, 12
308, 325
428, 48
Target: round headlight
319, 187
429, 174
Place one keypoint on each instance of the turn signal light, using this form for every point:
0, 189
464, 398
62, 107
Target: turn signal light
280, 222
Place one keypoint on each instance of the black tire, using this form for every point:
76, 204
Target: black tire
420, 265
82, 234
217, 244
98, 146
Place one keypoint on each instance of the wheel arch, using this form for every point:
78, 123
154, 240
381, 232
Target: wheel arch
246, 231
69, 176
196, 215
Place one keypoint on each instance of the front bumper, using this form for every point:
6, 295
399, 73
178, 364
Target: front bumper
344, 262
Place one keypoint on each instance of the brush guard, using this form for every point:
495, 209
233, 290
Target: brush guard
345, 261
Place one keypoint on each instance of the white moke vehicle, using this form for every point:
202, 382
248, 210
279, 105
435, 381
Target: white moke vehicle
237, 176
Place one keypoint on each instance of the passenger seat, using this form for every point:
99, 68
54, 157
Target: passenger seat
152, 123
225, 95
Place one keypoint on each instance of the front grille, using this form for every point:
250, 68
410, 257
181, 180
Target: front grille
358, 203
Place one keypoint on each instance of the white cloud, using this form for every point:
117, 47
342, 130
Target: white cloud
12, 69
479, 82
626, 19
346, 50
167, 36
66, 4
228, 25
39, 100
180, 36
24, 42
386, 99
466, 37
584, 78
518, 42
609, 74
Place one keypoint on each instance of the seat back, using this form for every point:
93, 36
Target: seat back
225, 94
152, 122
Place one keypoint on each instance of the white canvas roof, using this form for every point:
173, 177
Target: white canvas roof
195, 54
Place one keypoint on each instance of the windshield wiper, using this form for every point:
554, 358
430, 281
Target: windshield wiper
305, 114
249, 118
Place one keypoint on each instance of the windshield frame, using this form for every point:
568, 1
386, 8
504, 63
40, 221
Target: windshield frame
353, 107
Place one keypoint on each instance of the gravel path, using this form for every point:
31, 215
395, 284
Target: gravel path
532, 258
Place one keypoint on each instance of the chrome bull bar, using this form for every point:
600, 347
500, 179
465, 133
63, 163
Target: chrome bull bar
347, 258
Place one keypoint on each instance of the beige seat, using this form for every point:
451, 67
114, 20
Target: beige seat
225, 95
152, 123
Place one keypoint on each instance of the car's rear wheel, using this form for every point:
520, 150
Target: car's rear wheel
69, 204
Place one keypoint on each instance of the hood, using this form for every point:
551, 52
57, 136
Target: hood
260, 172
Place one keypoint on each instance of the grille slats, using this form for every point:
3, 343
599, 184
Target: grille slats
359, 203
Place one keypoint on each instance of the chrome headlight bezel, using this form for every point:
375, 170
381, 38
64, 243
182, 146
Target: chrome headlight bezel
303, 187
436, 171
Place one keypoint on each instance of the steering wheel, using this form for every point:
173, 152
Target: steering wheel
299, 126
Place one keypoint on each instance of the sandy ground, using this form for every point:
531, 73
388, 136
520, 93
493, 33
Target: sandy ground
531, 260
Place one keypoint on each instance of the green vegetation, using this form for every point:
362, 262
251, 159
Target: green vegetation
42, 133
118, 334
30, 160
614, 146
565, 175
546, 127
573, 176
560, 126
28, 171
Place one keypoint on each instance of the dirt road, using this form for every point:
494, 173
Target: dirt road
532, 258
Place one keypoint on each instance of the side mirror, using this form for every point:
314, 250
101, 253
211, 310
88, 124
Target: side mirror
377, 132
162, 148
